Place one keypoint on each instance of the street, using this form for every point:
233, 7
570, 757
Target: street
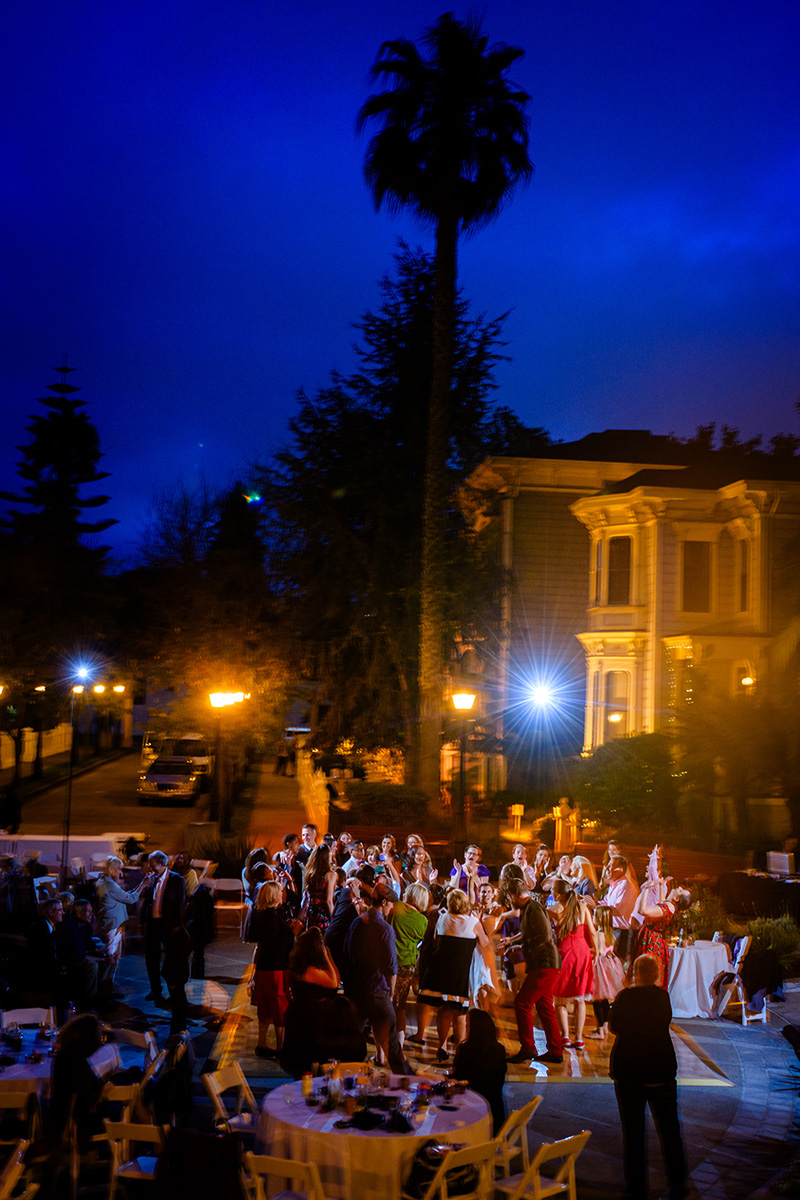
104, 800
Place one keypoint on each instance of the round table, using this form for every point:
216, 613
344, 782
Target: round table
370, 1165
692, 969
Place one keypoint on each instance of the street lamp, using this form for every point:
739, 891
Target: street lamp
220, 795
462, 703
78, 689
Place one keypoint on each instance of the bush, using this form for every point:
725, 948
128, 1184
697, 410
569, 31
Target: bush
780, 934
369, 803
707, 915
228, 853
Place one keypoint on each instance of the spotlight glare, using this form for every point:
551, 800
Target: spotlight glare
541, 695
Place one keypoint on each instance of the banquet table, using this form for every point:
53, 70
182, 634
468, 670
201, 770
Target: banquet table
692, 969
18, 1073
369, 1164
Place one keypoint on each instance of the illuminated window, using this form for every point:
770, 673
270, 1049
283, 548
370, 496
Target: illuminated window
616, 706
696, 577
744, 576
619, 571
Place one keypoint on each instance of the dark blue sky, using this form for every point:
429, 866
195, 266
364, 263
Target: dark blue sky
185, 217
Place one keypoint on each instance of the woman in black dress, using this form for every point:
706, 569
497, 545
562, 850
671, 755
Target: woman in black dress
445, 983
314, 980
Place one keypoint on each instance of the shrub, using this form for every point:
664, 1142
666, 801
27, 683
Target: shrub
780, 934
228, 853
707, 915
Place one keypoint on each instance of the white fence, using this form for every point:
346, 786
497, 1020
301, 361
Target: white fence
54, 741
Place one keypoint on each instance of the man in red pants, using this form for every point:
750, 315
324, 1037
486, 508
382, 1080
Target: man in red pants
542, 963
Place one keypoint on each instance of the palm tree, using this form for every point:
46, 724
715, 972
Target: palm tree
451, 143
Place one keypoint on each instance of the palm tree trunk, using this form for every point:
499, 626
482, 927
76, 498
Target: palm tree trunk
434, 518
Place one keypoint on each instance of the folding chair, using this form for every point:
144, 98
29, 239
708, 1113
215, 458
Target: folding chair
725, 990
27, 1016
121, 1137
257, 1167
12, 1172
20, 1116
143, 1039
512, 1140
204, 867
482, 1157
217, 1082
532, 1185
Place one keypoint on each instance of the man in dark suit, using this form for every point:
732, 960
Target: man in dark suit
644, 1069
163, 906
46, 974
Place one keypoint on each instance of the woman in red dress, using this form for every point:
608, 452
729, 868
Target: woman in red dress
577, 941
651, 938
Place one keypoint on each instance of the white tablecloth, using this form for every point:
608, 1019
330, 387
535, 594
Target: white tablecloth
358, 1164
691, 972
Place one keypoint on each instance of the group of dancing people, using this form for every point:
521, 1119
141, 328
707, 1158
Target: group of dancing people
347, 936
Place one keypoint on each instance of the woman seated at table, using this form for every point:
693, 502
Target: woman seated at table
657, 919
481, 1060
77, 1090
313, 980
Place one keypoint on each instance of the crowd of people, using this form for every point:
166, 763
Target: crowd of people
352, 940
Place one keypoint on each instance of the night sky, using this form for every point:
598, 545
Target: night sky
185, 217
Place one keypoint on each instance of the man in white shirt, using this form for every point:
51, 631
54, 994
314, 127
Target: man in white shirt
357, 854
620, 898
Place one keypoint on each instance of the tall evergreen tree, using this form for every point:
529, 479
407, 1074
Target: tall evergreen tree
344, 504
451, 144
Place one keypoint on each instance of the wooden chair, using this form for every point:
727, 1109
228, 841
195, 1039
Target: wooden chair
12, 1173
143, 1039
257, 1167
204, 867
734, 986
27, 1016
121, 1137
21, 1108
482, 1157
532, 1185
512, 1140
246, 1115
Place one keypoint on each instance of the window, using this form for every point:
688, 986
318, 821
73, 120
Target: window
619, 571
616, 704
696, 577
598, 572
744, 576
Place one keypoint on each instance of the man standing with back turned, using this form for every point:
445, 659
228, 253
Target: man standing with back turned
542, 963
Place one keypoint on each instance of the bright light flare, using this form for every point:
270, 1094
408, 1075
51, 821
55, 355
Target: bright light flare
463, 701
99, 688
225, 699
78, 689
541, 695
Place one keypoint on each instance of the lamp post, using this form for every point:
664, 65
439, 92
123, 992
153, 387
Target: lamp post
462, 702
78, 690
221, 793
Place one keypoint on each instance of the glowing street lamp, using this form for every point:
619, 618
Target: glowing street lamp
462, 702
220, 795
78, 689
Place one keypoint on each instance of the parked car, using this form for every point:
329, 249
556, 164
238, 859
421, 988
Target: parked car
166, 780
191, 748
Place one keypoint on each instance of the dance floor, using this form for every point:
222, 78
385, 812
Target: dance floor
237, 1039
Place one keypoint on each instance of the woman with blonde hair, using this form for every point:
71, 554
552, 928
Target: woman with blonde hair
269, 982
445, 985
113, 901
409, 921
584, 879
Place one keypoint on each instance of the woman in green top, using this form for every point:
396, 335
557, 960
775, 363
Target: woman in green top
409, 922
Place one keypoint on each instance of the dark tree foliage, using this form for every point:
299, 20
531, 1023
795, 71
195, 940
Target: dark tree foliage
53, 594
449, 142
630, 782
344, 506
199, 617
